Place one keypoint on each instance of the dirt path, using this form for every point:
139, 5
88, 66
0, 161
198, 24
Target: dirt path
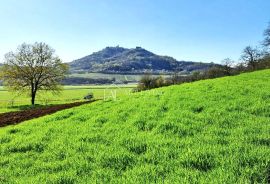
11, 118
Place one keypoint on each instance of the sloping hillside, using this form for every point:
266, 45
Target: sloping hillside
137, 60
213, 131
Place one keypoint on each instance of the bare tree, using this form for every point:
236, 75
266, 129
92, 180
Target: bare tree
175, 77
266, 42
251, 57
33, 67
228, 65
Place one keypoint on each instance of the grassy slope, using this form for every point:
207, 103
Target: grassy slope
213, 131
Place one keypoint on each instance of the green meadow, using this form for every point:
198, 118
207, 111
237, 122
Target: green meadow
211, 131
13, 101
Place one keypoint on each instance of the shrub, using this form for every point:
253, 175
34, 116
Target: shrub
149, 82
89, 96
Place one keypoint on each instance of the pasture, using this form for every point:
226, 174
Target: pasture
12, 102
212, 131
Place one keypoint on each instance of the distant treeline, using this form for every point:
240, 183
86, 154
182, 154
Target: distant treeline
252, 59
84, 81
150, 82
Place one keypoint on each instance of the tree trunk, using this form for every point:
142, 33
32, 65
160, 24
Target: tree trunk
33, 97
33, 100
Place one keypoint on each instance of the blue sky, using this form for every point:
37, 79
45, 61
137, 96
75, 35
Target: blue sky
197, 30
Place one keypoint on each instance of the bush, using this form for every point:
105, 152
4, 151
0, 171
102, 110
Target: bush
149, 82
89, 96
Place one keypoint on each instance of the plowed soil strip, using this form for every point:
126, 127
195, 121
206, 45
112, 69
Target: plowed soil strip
12, 118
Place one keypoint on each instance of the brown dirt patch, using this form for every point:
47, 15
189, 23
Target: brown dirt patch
11, 118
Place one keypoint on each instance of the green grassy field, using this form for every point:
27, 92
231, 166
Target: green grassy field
212, 131
13, 102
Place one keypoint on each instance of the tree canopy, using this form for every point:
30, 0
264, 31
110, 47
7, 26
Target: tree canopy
33, 67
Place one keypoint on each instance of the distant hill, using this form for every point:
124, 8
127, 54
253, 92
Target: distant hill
137, 60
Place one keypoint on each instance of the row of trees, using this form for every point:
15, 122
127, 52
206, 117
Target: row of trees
252, 59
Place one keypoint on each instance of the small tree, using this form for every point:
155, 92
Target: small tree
33, 67
174, 77
195, 76
240, 67
251, 56
228, 65
146, 82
